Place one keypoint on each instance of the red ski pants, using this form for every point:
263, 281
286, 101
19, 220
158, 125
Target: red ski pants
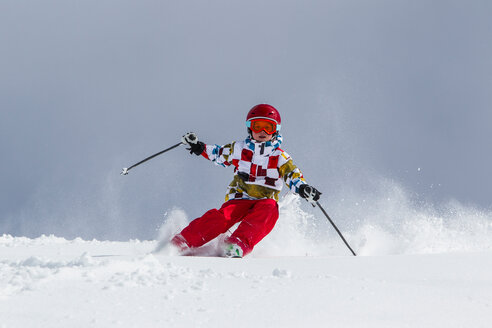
257, 217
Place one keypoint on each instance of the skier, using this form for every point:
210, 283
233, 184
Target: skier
259, 165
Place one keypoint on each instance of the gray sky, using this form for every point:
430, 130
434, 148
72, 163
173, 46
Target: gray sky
369, 91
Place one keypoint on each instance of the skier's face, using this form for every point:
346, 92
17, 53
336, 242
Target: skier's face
262, 136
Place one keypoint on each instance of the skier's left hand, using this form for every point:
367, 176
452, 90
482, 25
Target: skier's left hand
310, 193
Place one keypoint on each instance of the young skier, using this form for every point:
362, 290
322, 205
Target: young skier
259, 168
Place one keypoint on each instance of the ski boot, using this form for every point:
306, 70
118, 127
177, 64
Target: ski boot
233, 250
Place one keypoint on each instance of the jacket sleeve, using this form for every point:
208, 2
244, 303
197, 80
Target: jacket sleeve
220, 155
290, 173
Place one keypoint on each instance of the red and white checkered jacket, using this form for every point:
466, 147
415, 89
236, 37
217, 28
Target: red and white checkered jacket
259, 168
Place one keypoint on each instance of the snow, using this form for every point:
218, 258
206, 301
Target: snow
439, 275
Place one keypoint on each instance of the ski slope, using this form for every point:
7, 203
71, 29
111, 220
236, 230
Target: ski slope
53, 282
427, 271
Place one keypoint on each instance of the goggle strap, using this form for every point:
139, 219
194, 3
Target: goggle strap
262, 118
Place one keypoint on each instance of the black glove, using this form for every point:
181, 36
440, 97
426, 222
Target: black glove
196, 147
311, 194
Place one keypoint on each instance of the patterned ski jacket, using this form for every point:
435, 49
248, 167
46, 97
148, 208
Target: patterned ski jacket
259, 168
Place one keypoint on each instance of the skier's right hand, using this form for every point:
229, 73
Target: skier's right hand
196, 147
189, 138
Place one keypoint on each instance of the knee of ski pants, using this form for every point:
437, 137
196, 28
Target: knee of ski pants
205, 228
256, 225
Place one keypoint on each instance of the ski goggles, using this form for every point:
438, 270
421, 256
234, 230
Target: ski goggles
261, 124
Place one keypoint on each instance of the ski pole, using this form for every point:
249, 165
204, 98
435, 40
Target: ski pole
125, 170
334, 226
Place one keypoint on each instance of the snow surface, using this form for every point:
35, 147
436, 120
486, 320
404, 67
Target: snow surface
400, 280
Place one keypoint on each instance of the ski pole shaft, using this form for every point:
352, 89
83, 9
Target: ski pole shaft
125, 170
334, 226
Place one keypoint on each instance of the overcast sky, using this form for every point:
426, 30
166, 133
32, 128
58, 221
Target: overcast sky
370, 93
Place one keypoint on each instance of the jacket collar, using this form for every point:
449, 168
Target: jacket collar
274, 143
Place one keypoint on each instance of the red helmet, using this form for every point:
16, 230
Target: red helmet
264, 111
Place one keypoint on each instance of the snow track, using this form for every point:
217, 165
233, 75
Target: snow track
53, 282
